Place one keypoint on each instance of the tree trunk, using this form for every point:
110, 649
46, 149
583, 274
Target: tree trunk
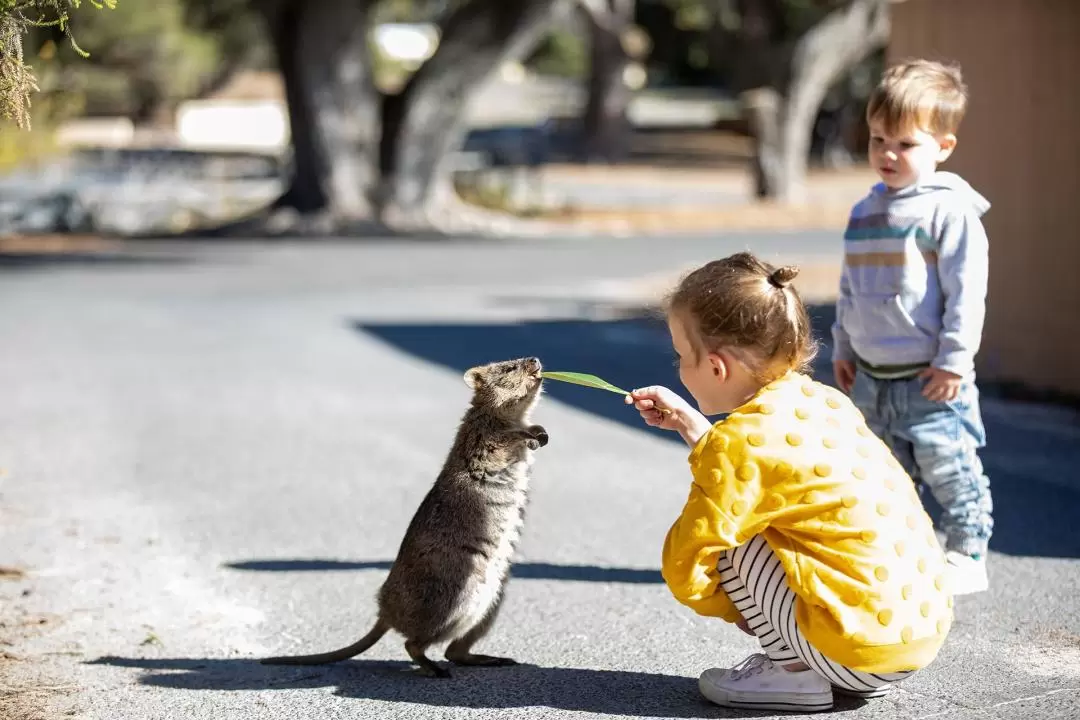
822, 56
783, 109
606, 125
332, 102
760, 73
763, 108
475, 41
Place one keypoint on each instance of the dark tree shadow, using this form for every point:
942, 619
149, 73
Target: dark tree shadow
1034, 511
26, 261
616, 693
525, 571
628, 353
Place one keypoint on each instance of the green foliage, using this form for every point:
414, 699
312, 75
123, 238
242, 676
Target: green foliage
147, 58
16, 79
702, 15
694, 14
409, 11
694, 39
563, 54
17, 18
52, 108
237, 29
37, 144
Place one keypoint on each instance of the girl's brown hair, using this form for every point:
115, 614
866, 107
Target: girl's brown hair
748, 306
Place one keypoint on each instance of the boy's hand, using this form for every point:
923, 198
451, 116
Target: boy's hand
682, 418
744, 626
844, 372
941, 385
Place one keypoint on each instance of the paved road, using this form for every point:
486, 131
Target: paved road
212, 450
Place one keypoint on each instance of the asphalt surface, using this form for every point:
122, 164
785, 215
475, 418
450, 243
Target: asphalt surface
211, 452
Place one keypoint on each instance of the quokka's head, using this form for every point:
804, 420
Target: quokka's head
511, 387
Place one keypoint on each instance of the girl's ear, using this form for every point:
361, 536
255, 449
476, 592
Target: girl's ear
719, 365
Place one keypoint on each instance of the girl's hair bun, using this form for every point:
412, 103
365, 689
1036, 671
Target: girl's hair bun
782, 277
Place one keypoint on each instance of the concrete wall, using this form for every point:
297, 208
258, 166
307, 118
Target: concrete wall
1020, 146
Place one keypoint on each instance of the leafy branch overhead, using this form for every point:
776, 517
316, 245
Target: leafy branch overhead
17, 18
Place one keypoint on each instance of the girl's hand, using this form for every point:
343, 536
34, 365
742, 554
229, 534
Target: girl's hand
744, 626
658, 407
662, 408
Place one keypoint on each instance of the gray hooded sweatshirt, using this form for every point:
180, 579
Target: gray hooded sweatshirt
913, 287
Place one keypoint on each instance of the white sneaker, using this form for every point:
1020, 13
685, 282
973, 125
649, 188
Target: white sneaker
758, 684
965, 574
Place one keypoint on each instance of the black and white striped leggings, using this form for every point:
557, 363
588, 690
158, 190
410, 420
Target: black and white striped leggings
754, 579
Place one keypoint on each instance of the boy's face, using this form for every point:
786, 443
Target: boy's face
901, 159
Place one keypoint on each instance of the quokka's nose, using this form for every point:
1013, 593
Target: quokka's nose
533, 364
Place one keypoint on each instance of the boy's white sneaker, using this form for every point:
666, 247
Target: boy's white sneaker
965, 574
758, 684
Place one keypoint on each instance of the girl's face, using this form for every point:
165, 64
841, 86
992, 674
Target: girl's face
699, 371
718, 381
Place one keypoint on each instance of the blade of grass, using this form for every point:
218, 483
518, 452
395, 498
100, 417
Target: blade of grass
588, 381
583, 379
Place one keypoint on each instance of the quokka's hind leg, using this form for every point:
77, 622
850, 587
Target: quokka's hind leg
427, 666
458, 652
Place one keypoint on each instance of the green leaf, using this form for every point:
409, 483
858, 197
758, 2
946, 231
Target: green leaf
583, 379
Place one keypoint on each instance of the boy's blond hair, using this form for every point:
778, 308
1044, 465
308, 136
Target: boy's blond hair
919, 94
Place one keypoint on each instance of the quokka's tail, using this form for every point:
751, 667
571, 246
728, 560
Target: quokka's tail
373, 636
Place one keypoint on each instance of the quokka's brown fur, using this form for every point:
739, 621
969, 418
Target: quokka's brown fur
447, 581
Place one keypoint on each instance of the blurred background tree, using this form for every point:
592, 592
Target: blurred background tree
369, 131
238, 35
784, 59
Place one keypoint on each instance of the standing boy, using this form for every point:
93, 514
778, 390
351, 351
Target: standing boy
912, 303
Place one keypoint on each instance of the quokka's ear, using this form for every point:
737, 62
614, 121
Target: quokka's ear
474, 378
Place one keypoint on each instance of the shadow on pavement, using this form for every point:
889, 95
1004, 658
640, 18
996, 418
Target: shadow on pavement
627, 353
609, 692
24, 261
1035, 504
526, 571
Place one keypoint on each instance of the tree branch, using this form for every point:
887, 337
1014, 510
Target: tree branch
792, 79
476, 39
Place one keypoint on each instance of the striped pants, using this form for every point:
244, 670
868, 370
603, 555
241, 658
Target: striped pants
754, 579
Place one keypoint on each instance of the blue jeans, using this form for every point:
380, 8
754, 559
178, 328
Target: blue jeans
937, 443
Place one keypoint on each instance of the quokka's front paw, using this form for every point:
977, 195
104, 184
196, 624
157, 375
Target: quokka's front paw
538, 432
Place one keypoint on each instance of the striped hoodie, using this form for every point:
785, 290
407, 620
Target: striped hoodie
913, 286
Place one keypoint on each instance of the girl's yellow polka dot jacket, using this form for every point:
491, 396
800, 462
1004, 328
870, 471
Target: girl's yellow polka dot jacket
798, 465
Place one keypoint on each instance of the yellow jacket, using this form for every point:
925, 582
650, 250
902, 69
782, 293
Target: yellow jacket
798, 465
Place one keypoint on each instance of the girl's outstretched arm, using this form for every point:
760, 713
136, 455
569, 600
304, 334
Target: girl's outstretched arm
662, 408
